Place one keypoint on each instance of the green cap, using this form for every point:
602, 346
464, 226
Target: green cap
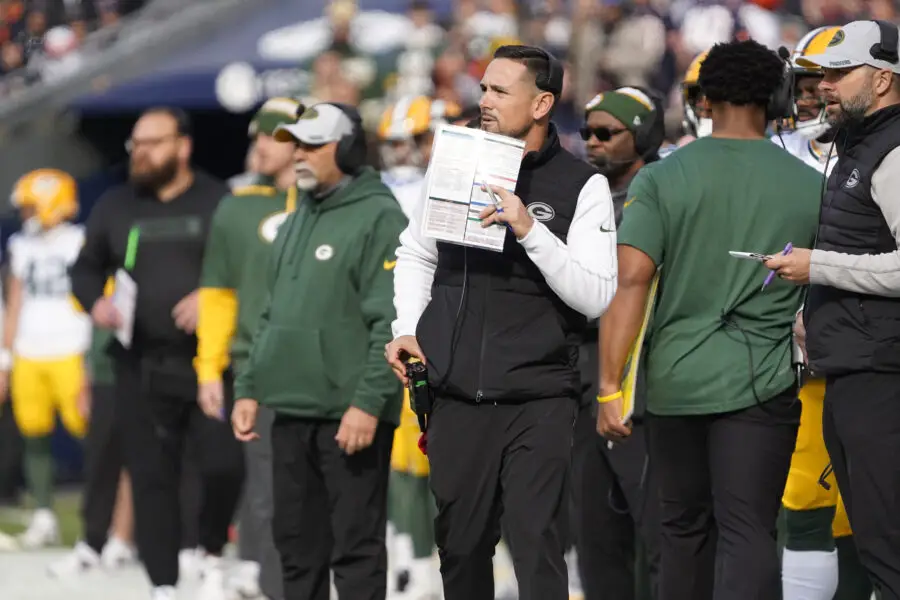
629, 105
275, 112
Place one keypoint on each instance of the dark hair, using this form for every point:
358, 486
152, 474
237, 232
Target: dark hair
183, 125
540, 63
740, 73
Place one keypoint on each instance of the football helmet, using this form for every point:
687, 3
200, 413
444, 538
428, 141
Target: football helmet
691, 94
809, 106
51, 194
407, 124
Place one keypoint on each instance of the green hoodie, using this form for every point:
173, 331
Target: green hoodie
319, 346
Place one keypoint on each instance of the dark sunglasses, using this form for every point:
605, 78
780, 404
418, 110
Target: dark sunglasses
603, 134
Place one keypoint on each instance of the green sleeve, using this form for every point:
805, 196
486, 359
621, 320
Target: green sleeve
643, 226
244, 383
378, 386
216, 272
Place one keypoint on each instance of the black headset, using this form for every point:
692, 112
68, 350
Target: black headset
552, 81
887, 47
781, 102
650, 134
352, 149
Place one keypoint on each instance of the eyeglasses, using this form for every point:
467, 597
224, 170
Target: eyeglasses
132, 144
603, 134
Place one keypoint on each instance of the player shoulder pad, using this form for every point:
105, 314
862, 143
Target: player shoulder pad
254, 190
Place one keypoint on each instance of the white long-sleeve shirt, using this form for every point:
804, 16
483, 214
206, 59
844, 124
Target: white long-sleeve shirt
582, 271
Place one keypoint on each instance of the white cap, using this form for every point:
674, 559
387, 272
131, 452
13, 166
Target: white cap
851, 46
319, 124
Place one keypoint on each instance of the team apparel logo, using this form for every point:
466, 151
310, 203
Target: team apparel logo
853, 180
268, 229
324, 252
540, 211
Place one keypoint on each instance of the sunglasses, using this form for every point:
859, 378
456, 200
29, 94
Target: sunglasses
603, 134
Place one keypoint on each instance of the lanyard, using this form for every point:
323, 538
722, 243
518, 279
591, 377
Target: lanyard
134, 236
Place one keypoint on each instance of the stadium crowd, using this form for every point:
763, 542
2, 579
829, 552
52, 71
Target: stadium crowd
264, 310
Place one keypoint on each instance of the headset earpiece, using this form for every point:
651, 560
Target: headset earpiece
553, 81
352, 150
887, 47
781, 102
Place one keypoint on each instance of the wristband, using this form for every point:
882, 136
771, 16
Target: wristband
610, 398
5, 360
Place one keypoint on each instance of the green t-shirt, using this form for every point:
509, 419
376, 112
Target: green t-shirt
718, 342
238, 250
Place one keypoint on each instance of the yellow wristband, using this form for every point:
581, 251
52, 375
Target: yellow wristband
610, 398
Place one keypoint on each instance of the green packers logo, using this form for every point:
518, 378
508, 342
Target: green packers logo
837, 38
309, 114
268, 229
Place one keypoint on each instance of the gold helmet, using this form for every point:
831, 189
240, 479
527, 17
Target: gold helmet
813, 42
405, 121
690, 93
50, 193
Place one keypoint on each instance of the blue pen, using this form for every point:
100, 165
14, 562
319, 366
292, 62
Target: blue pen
771, 275
495, 200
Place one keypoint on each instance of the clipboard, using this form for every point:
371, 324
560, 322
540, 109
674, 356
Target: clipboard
633, 362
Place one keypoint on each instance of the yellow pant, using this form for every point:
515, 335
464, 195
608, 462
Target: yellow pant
803, 490
41, 388
405, 455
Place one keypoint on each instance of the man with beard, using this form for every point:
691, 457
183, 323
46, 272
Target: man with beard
154, 229
232, 296
500, 332
623, 131
852, 315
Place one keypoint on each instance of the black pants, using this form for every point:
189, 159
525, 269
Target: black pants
330, 510
103, 464
509, 460
721, 478
159, 412
861, 424
615, 502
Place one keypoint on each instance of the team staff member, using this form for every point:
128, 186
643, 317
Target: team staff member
44, 336
623, 132
316, 362
155, 228
232, 296
721, 393
819, 561
852, 316
503, 363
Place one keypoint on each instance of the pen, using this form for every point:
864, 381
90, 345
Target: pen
495, 200
771, 275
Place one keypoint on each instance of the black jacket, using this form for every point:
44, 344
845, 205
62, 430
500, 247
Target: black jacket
169, 257
494, 330
849, 332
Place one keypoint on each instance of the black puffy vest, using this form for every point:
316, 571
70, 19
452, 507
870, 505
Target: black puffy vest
849, 332
494, 330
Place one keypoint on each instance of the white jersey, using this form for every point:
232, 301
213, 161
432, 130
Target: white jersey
406, 183
813, 153
49, 324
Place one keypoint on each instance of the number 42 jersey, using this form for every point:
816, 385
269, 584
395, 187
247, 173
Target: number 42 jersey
49, 324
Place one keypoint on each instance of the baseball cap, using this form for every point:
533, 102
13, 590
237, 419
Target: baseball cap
275, 112
851, 46
319, 124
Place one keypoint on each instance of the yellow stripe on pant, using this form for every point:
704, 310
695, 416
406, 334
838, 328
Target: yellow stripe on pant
42, 388
803, 490
406, 456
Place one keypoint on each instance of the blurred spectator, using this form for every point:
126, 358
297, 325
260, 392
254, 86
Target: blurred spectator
633, 42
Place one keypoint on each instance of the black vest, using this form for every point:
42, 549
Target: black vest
494, 330
849, 332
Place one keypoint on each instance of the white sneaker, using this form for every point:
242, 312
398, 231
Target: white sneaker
164, 592
42, 531
82, 558
190, 562
213, 586
243, 579
425, 580
117, 553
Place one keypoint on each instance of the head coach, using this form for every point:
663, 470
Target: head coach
499, 333
852, 313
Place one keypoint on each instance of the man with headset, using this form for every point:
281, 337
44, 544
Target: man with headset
316, 361
852, 315
623, 131
722, 412
499, 333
